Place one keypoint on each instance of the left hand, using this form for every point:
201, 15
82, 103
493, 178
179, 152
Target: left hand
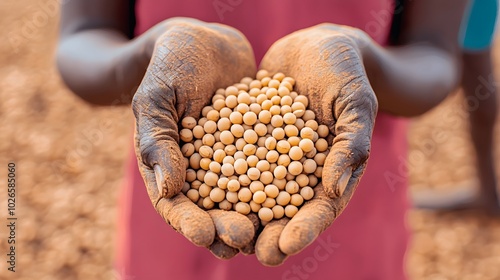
190, 60
326, 63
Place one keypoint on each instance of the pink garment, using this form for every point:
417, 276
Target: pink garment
368, 241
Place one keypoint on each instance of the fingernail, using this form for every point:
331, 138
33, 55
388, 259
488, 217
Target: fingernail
159, 178
344, 179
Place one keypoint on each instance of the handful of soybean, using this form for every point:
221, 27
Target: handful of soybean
257, 148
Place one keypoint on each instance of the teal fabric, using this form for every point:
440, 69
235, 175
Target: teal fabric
478, 26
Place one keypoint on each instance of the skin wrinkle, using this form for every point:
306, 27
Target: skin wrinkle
336, 169
171, 98
154, 138
185, 70
328, 68
342, 100
164, 188
195, 55
326, 83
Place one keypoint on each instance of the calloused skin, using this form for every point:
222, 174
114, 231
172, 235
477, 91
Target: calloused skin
355, 75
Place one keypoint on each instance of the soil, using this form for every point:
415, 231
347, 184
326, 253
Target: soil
67, 214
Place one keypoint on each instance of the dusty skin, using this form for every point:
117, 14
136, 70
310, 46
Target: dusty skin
340, 95
347, 106
190, 61
47, 126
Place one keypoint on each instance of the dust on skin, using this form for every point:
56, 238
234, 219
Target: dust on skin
190, 61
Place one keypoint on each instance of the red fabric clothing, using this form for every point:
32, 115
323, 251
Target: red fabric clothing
264, 22
368, 241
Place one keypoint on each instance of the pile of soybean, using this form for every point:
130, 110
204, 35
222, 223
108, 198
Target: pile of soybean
257, 148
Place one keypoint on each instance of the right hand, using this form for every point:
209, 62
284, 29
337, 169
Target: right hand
190, 61
327, 65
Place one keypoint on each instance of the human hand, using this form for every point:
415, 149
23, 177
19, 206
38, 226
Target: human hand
326, 62
190, 60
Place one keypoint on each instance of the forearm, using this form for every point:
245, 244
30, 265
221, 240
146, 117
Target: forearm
480, 89
480, 92
102, 66
412, 79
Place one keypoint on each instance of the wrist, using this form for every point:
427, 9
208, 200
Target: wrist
147, 41
144, 45
128, 71
139, 51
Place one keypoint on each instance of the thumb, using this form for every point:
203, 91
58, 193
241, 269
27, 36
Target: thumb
181, 213
157, 137
355, 111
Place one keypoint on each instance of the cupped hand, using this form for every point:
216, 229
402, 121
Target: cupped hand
190, 60
326, 62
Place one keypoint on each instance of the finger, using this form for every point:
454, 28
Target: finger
233, 228
222, 250
250, 247
314, 217
332, 75
355, 111
157, 137
267, 247
181, 213
188, 219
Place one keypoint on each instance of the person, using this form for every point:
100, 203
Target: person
480, 107
173, 66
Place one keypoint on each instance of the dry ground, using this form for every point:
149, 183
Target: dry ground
67, 214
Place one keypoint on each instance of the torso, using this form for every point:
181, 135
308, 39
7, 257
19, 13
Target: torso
264, 22
368, 241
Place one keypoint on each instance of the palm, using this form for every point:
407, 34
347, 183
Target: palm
331, 74
190, 61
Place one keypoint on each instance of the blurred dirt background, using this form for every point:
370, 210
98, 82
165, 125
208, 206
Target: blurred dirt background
67, 214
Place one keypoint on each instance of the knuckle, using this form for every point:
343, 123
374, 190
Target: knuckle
355, 145
137, 103
373, 104
147, 149
362, 150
